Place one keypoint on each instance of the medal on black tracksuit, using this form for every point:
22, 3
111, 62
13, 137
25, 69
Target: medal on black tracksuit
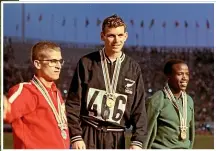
110, 86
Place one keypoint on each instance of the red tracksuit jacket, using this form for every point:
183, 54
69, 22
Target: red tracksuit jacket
33, 122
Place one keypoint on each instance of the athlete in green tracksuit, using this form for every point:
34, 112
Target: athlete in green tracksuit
167, 107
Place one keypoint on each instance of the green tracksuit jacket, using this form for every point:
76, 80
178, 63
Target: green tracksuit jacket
163, 123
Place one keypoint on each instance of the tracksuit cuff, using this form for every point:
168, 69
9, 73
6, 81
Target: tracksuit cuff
76, 138
137, 143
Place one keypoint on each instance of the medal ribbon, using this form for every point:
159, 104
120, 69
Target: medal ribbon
60, 118
110, 86
183, 115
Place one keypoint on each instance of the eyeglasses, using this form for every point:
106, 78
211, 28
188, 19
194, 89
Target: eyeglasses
54, 62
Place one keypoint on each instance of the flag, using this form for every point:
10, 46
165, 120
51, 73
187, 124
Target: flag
132, 22
63, 21
98, 22
186, 24
17, 27
142, 24
75, 22
28, 17
40, 18
207, 24
86, 22
197, 24
151, 23
164, 24
137, 36
176, 23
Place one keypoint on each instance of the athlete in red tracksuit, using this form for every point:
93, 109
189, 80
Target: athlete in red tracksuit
37, 110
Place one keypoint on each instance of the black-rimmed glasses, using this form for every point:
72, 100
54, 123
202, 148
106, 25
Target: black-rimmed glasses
54, 62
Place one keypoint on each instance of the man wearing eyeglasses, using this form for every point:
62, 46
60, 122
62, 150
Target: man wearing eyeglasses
36, 109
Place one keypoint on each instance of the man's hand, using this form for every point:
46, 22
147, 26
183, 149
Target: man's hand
6, 106
134, 147
78, 145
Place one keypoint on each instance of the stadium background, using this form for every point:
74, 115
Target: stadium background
151, 56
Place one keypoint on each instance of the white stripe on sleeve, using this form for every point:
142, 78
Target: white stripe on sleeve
16, 94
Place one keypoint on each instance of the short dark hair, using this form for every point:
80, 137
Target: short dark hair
170, 63
113, 22
39, 49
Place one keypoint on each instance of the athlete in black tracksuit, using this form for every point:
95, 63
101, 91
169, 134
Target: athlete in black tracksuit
86, 104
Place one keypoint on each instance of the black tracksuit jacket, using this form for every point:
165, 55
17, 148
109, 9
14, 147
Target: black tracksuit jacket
85, 101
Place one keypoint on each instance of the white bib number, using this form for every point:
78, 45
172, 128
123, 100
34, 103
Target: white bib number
96, 104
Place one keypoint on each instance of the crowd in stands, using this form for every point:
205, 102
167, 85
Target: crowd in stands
151, 60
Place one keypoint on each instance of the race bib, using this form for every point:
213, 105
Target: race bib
96, 105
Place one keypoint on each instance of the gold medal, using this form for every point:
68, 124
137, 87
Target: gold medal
183, 134
110, 85
110, 102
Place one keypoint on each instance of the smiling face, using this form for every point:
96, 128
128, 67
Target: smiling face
114, 38
179, 77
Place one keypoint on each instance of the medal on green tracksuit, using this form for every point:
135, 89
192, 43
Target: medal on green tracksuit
182, 113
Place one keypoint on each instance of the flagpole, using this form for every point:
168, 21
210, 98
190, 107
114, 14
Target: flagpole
87, 34
133, 35
196, 37
17, 31
86, 26
176, 43
153, 36
40, 26
23, 23
150, 27
176, 28
76, 30
207, 42
40, 29
165, 36
73, 30
207, 31
137, 39
176, 39
52, 26
133, 32
186, 41
65, 34
143, 38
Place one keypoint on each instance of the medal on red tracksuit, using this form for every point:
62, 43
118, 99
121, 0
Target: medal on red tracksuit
60, 117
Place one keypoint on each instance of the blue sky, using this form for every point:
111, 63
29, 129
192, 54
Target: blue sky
51, 27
